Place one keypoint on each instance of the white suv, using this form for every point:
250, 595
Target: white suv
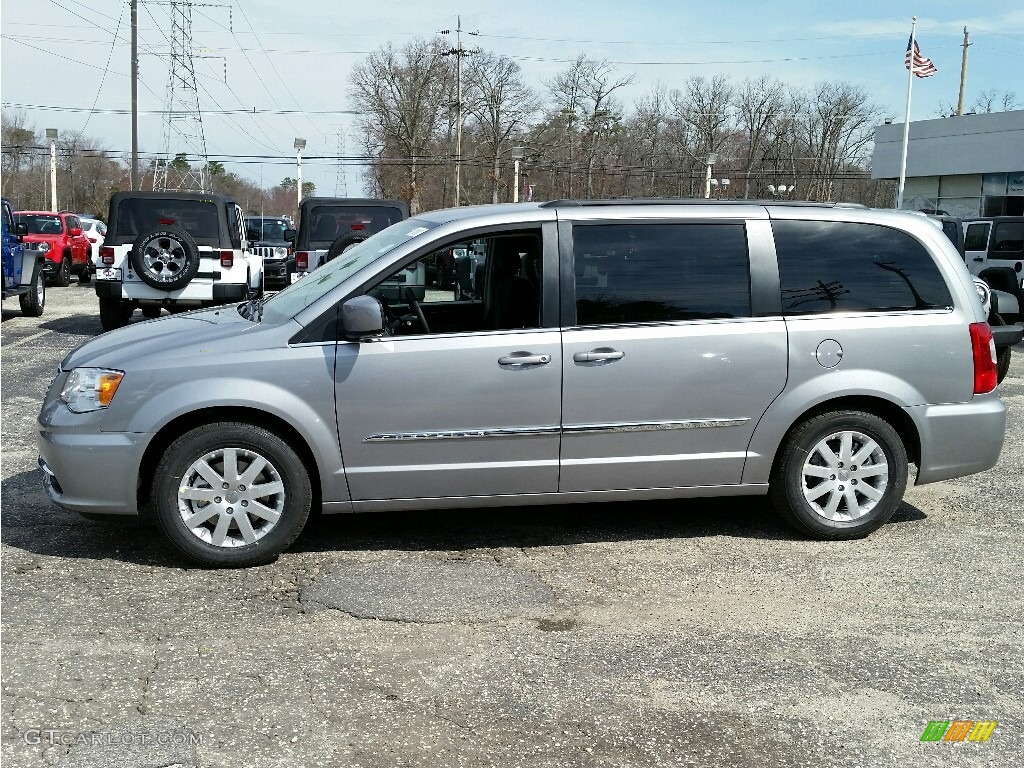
178, 250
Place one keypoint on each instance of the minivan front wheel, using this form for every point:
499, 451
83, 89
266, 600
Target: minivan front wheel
231, 494
840, 475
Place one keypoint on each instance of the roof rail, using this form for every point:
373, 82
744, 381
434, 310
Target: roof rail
691, 201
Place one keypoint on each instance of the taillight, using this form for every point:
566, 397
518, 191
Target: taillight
301, 261
983, 346
227, 258
107, 254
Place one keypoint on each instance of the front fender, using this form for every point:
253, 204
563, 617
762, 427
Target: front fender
296, 386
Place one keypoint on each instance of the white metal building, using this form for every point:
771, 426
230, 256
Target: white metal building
965, 166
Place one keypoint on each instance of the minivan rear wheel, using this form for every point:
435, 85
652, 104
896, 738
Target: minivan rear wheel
231, 495
840, 475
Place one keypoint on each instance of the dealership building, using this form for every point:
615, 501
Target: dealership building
969, 165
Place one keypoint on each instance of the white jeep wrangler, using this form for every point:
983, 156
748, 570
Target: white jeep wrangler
179, 250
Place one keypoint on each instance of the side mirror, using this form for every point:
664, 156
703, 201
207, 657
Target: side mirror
75, 232
252, 234
20, 229
1018, 267
290, 235
362, 319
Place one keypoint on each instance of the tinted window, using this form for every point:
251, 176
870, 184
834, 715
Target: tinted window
634, 273
838, 266
1008, 237
265, 229
136, 215
329, 222
976, 238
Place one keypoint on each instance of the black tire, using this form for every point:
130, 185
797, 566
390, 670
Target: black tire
1003, 354
166, 258
114, 313
63, 276
177, 473
85, 276
151, 311
800, 452
34, 302
343, 243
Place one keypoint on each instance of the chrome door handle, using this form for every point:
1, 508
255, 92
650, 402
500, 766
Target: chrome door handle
517, 359
602, 355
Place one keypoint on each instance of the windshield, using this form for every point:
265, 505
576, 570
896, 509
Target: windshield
39, 224
319, 282
265, 229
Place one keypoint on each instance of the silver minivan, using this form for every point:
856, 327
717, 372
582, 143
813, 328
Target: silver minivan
614, 350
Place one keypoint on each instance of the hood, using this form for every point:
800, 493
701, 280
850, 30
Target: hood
272, 243
182, 335
42, 238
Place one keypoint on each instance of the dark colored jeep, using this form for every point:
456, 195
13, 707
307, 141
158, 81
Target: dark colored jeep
266, 235
329, 225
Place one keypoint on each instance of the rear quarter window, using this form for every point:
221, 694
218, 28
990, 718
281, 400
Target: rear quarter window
829, 266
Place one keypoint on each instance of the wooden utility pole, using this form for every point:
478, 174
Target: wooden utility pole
963, 74
458, 52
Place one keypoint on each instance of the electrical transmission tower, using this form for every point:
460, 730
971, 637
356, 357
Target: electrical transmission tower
183, 122
340, 182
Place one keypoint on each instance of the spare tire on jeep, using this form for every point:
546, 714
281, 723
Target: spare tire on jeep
166, 258
342, 244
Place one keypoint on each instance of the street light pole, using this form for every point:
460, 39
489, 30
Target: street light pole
300, 144
517, 156
712, 159
51, 134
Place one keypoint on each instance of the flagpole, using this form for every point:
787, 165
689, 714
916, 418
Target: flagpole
906, 121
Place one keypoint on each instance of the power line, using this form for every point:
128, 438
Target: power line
239, 111
106, 68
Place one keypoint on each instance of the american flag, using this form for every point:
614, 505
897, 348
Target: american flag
923, 67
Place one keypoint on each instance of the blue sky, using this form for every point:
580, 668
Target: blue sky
298, 55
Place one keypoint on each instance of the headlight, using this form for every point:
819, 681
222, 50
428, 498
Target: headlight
89, 389
42, 247
282, 252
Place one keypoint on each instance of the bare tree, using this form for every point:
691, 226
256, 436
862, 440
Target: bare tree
759, 103
403, 93
705, 105
500, 103
835, 128
583, 101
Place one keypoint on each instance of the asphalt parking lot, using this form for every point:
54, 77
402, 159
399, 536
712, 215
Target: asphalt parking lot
697, 633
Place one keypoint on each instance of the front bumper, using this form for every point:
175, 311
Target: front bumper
959, 439
275, 273
84, 468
